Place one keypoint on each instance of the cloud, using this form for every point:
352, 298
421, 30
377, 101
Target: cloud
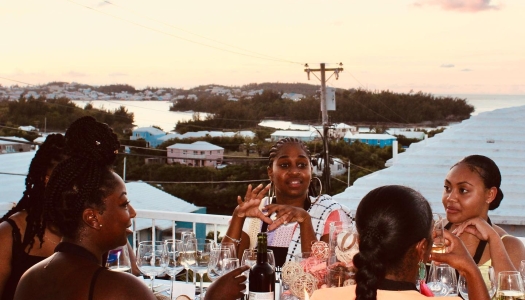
460, 5
103, 3
466, 70
76, 74
447, 66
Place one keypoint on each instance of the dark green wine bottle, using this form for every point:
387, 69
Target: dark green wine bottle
262, 274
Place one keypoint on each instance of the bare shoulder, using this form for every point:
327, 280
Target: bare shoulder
117, 285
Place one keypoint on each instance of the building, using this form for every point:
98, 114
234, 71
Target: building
13, 144
150, 134
341, 129
498, 134
409, 134
305, 136
381, 140
337, 167
197, 154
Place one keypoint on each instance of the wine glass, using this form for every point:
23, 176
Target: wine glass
118, 259
487, 272
184, 237
197, 257
216, 265
230, 264
522, 270
442, 280
438, 245
510, 285
152, 259
230, 246
174, 249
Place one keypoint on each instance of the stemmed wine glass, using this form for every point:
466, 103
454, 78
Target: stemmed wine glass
118, 259
174, 250
197, 257
522, 270
152, 259
184, 237
442, 280
230, 246
510, 285
487, 272
216, 266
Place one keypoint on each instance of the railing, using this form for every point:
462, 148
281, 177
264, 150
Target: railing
193, 218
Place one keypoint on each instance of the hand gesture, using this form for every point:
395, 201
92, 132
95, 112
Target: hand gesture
229, 286
285, 214
477, 227
249, 205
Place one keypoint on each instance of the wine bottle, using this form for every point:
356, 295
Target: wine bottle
262, 274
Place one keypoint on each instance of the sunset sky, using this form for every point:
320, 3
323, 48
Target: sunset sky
434, 46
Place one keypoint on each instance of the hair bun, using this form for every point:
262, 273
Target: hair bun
93, 140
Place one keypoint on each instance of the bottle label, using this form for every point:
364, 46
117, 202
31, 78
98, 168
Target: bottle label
261, 296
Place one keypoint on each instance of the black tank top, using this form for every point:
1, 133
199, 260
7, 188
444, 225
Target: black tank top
21, 261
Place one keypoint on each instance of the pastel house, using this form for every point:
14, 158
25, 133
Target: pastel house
151, 135
197, 154
381, 140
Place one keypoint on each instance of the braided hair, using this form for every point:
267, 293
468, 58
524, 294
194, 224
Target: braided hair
85, 178
290, 140
389, 220
46, 157
489, 173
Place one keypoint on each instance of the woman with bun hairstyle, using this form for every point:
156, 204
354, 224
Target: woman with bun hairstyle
24, 240
87, 203
395, 225
471, 189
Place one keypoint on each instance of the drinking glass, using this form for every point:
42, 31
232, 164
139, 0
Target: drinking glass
522, 270
230, 264
438, 245
152, 259
216, 265
184, 237
442, 280
510, 286
197, 257
118, 259
230, 246
487, 272
174, 250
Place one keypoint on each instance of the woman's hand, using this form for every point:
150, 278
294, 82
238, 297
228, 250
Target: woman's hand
229, 286
285, 214
477, 227
249, 205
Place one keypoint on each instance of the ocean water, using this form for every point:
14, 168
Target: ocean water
148, 113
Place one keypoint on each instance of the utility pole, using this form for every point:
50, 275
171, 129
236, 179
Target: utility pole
324, 112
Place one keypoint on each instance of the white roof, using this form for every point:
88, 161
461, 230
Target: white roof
407, 133
170, 136
371, 136
295, 133
246, 133
152, 130
145, 196
499, 134
14, 138
344, 126
199, 145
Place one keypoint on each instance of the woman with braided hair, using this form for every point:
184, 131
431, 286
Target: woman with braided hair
22, 236
395, 225
295, 214
87, 203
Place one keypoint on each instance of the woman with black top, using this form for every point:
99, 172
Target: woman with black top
23, 239
472, 188
395, 225
87, 203
294, 213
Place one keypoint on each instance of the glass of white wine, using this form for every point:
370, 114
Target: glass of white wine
510, 286
152, 259
438, 245
118, 259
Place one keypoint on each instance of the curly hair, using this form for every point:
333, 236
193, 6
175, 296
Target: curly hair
389, 221
489, 173
85, 178
46, 157
290, 140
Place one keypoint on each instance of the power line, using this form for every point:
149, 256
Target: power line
178, 37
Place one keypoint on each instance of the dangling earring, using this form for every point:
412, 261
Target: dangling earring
422, 270
320, 186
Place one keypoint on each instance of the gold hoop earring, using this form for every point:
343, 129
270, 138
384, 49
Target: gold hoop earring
320, 185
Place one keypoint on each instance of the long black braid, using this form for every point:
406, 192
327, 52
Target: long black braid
85, 178
312, 191
46, 157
